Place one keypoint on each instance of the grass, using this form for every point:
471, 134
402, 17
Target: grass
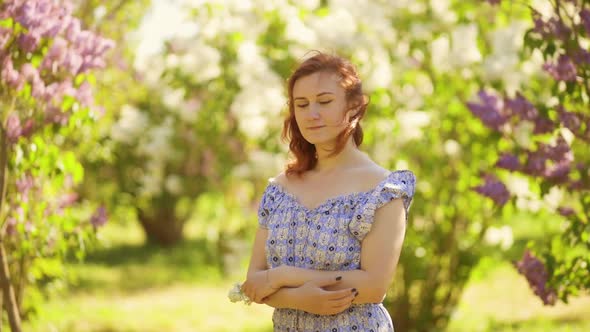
127, 287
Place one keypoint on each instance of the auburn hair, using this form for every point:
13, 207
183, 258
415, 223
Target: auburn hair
304, 153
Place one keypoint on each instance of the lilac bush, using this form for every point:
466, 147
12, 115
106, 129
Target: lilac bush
46, 97
556, 152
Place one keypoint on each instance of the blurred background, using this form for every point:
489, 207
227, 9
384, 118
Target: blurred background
138, 137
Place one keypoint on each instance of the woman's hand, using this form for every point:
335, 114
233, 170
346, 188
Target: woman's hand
260, 285
313, 298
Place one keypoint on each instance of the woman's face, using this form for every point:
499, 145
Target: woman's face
319, 103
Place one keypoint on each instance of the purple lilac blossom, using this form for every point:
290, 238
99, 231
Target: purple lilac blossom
536, 164
553, 27
563, 70
489, 110
581, 56
570, 120
585, 18
520, 106
494, 189
565, 211
509, 162
543, 126
536, 274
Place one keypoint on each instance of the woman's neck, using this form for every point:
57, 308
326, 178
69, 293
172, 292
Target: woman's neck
349, 156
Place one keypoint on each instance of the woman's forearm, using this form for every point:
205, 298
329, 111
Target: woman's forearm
369, 289
283, 298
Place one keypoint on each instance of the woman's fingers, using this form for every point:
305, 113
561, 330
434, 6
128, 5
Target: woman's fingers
335, 295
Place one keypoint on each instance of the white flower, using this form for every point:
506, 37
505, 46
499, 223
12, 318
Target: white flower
464, 50
235, 294
440, 48
130, 125
500, 236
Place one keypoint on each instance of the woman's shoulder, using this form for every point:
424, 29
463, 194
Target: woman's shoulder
281, 179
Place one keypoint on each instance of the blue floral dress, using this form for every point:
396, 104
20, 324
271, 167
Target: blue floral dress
328, 237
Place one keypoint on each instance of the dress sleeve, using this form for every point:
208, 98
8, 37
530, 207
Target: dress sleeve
399, 184
265, 207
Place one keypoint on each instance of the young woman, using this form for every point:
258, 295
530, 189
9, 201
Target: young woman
332, 224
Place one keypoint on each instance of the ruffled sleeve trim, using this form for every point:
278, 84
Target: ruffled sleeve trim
267, 205
398, 184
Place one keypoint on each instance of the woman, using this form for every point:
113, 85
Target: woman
333, 224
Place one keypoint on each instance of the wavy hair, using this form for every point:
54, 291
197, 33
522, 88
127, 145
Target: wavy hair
304, 153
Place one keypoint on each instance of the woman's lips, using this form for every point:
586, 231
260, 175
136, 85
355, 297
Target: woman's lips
315, 128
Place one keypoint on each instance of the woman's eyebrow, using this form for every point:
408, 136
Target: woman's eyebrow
324, 93
318, 95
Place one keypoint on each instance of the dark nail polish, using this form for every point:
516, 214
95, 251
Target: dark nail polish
356, 294
353, 290
338, 278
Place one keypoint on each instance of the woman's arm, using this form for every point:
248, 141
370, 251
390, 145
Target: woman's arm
258, 257
380, 251
258, 284
310, 297
313, 298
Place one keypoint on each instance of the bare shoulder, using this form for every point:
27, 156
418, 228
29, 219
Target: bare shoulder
371, 172
281, 179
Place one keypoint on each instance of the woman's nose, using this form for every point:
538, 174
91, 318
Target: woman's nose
314, 110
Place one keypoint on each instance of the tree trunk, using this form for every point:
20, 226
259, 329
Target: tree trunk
9, 300
8, 292
161, 226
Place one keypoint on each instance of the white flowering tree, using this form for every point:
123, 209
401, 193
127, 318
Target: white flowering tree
46, 102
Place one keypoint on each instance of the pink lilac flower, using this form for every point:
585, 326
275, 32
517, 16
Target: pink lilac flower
29, 41
10, 75
28, 128
13, 128
25, 184
67, 200
99, 218
11, 226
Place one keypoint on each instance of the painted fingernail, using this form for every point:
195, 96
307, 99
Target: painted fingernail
356, 294
338, 278
353, 290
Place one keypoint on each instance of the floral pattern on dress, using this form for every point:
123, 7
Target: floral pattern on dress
328, 237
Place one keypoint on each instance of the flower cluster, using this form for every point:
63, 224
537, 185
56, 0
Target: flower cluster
236, 295
536, 274
46, 29
494, 189
548, 139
